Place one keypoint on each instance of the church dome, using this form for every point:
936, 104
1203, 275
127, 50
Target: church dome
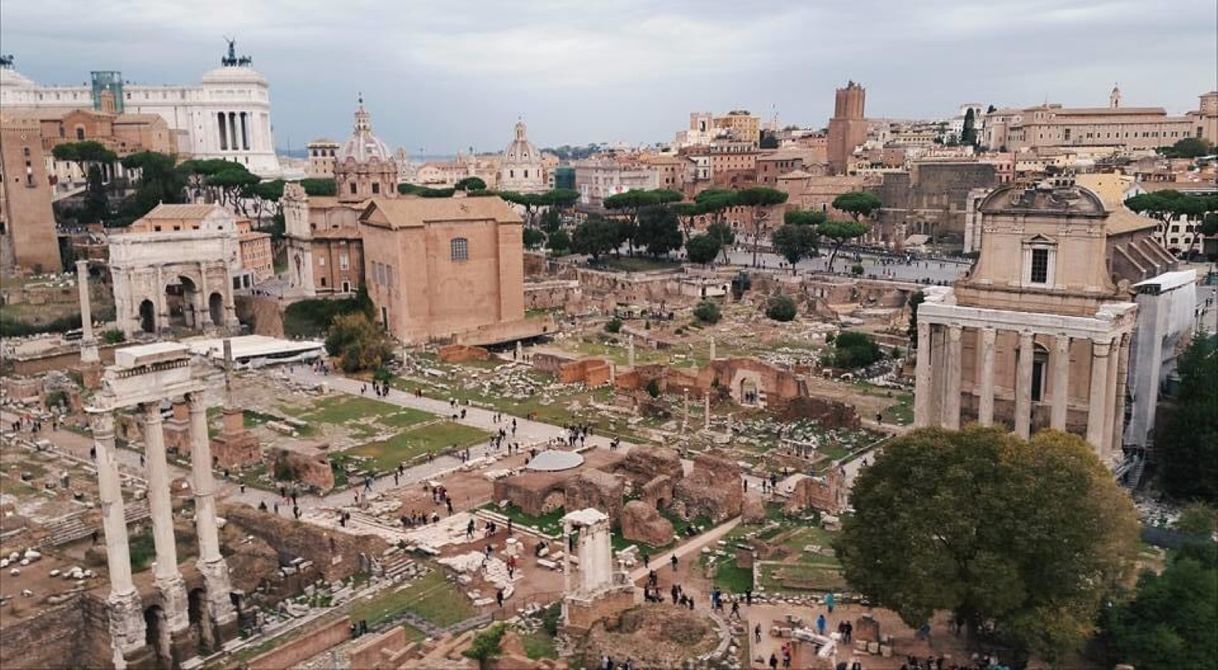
234, 74
10, 78
363, 145
521, 151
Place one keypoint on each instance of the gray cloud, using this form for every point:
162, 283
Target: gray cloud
446, 75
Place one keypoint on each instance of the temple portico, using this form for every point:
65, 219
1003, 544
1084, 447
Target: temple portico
1038, 333
1067, 370
140, 379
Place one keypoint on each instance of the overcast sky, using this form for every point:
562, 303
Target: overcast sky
444, 75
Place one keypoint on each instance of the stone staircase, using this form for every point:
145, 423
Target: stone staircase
76, 526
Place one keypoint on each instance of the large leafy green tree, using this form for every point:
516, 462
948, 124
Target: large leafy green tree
1171, 621
858, 204
596, 236
158, 182
1026, 537
839, 233
702, 248
1189, 147
968, 134
658, 231
359, 343
1187, 442
533, 238
795, 242
86, 153
319, 187
762, 200
632, 202
559, 242
471, 184
1168, 204
96, 203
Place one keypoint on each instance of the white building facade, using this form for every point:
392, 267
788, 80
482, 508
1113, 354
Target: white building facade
227, 116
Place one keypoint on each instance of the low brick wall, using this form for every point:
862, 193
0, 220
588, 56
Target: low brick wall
305, 646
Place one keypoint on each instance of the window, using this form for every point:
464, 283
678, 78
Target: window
376, 188
343, 261
459, 249
352, 188
1040, 266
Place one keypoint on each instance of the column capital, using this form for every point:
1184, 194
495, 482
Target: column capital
101, 424
954, 330
152, 412
1100, 347
1025, 338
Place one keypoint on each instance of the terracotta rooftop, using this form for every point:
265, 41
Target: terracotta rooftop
187, 211
412, 212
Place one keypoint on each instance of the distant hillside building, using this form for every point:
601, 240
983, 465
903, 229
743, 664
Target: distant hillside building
321, 158
228, 116
1051, 125
521, 168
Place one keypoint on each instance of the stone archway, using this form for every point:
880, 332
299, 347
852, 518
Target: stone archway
748, 391
181, 303
215, 308
157, 636
147, 315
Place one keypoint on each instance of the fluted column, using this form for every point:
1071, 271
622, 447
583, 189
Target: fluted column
211, 564
167, 577
1061, 382
1097, 412
922, 388
985, 402
951, 399
127, 627
1023, 387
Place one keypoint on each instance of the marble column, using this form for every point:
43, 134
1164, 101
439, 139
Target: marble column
211, 564
88, 345
567, 572
1110, 399
1118, 414
166, 576
1100, 394
127, 627
1061, 382
712, 348
938, 351
1023, 387
706, 410
630, 351
922, 389
985, 401
951, 398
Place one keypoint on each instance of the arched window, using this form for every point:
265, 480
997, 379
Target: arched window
459, 249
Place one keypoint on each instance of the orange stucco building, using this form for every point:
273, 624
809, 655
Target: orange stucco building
440, 267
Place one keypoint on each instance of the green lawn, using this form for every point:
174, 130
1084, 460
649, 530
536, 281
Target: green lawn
432, 597
547, 523
415, 442
343, 408
539, 645
800, 577
733, 579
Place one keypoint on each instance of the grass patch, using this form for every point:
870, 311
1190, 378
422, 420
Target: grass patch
539, 645
550, 523
800, 577
344, 408
432, 598
733, 579
405, 418
415, 442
